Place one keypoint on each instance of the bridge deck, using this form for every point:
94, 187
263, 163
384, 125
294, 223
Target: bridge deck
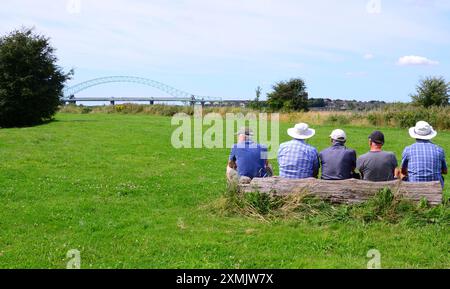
147, 99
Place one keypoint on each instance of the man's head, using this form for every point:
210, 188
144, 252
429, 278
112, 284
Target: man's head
338, 136
376, 140
245, 134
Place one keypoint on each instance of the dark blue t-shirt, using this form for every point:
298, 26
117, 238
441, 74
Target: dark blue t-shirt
250, 158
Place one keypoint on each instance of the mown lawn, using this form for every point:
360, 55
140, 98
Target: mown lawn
112, 187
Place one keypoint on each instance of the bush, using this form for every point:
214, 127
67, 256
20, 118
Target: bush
409, 118
289, 95
405, 116
86, 110
338, 119
432, 91
379, 119
31, 83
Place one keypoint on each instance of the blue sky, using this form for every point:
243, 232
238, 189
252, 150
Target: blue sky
354, 49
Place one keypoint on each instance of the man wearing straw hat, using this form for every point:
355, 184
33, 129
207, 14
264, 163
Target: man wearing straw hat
424, 161
296, 158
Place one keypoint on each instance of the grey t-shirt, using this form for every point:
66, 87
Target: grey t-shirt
377, 166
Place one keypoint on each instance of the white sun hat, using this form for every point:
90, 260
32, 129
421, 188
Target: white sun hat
423, 130
339, 135
301, 131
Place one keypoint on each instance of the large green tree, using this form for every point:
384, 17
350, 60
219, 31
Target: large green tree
432, 91
289, 95
31, 82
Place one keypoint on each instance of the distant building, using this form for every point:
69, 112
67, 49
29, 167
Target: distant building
326, 104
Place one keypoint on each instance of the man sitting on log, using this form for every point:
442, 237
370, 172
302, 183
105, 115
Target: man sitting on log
377, 165
424, 161
296, 158
248, 159
338, 162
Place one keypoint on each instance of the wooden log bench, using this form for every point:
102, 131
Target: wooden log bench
347, 191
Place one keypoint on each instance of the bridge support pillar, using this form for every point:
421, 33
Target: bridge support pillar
112, 102
152, 102
203, 103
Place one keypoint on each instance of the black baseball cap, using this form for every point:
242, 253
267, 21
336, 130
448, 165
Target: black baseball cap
377, 137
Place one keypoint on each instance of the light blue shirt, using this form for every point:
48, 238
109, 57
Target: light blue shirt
424, 161
298, 160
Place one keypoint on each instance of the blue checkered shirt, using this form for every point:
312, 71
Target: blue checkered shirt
424, 161
298, 160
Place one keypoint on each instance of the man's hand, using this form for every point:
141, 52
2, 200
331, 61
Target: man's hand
398, 174
232, 174
232, 164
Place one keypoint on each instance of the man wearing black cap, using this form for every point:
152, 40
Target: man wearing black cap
377, 165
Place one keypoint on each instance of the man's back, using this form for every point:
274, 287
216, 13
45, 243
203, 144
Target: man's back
250, 159
425, 162
377, 166
298, 160
338, 162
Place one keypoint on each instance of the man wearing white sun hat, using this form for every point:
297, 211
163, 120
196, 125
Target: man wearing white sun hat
424, 161
296, 158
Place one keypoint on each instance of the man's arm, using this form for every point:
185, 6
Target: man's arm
444, 164
354, 159
404, 171
265, 155
232, 159
405, 160
396, 170
316, 166
359, 167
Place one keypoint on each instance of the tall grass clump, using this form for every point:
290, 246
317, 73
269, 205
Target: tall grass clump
383, 207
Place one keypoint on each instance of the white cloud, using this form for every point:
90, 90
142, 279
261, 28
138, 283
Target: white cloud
415, 60
369, 56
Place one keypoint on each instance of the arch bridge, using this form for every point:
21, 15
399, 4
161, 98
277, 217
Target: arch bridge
176, 95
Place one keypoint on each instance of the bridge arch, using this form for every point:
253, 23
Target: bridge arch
72, 90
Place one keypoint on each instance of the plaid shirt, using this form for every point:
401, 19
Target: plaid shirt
424, 161
298, 160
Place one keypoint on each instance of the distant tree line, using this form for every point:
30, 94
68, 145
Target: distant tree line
292, 95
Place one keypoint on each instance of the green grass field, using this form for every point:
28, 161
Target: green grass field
112, 187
